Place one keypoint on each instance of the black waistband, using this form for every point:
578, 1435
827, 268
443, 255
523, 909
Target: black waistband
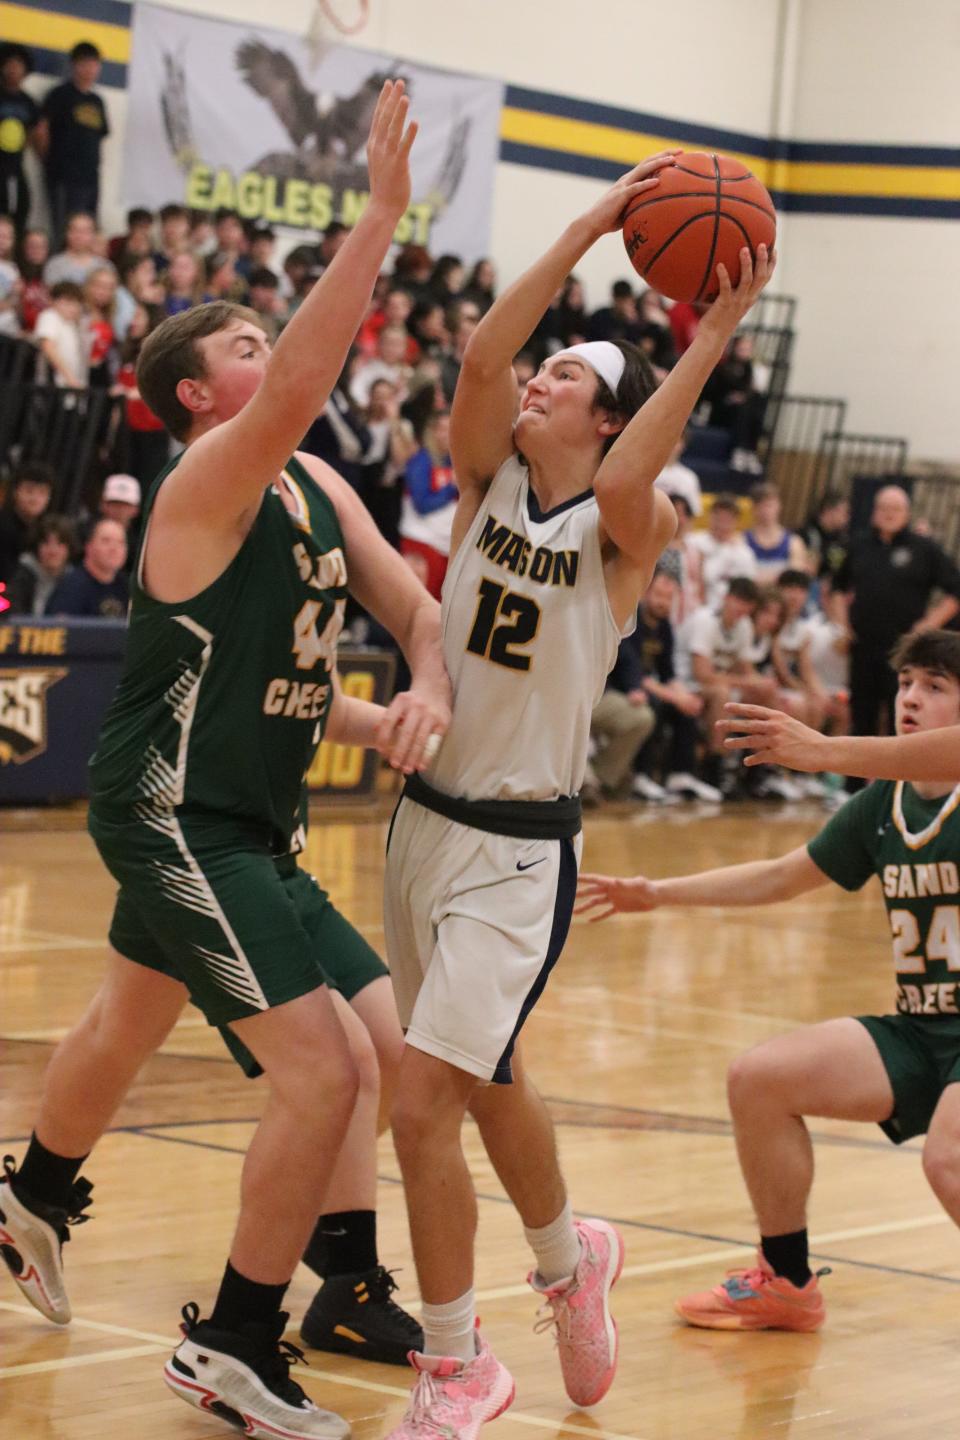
522, 819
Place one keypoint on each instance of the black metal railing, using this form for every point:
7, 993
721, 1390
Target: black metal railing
936, 502
794, 456
845, 457
63, 427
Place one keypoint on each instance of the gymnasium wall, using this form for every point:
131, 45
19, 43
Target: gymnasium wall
847, 108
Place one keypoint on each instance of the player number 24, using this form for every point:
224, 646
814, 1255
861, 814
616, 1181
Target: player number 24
503, 624
943, 940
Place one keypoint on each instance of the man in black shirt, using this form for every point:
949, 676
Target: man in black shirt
20, 125
78, 123
889, 575
98, 588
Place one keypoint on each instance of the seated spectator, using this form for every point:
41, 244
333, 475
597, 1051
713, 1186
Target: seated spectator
22, 126
723, 550
79, 255
340, 435
462, 320
776, 548
10, 283
60, 337
803, 694
524, 367
174, 234
202, 238
428, 329
656, 337
98, 587
621, 723
262, 246
736, 404
684, 561
412, 269
572, 318
830, 658
146, 444
392, 443
182, 281
481, 286
684, 320
426, 397
138, 238
673, 743
42, 567
99, 299
264, 300
429, 500
678, 479
390, 364
34, 293
300, 273
331, 242
27, 500
447, 278
232, 240
222, 280
827, 536
395, 309
713, 658
618, 320
120, 501
138, 286
767, 620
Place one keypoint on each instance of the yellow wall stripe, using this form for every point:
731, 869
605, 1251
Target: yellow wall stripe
62, 32
581, 137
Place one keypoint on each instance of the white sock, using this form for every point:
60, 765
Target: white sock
556, 1247
450, 1329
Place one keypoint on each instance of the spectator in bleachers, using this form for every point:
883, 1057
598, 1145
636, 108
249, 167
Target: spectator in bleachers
99, 302
264, 299
736, 404
34, 293
684, 561
120, 501
656, 337
412, 269
138, 286
174, 233
427, 327
618, 320
41, 567
481, 286
390, 364
10, 283
339, 435
232, 240
80, 254
830, 658
524, 367
767, 620
802, 694
395, 309
572, 318
462, 320
776, 548
97, 588
331, 241
78, 124
621, 723
20, 125
713, 658
262, 247
182, 282
300, 272
203, 237
27, 500
447, 279
684, 317
392, 443
61, 339
145, 445
827, 536
429, 500
723, 550
678, 479
137, 239
426, 395
673, 743
222, 280
889, 576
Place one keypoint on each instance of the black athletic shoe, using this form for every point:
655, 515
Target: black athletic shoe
32, 1235
243, 1376
355, 1315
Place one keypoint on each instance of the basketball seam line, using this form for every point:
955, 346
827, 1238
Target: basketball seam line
718, 197
697, 195
704, 215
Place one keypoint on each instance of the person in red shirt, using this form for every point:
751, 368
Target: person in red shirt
146, 446
35, 294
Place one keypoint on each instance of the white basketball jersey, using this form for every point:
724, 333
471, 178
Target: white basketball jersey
528, 639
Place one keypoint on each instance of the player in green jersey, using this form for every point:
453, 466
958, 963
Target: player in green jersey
900, 1070
228, 685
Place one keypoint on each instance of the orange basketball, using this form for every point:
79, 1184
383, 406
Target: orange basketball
705, 209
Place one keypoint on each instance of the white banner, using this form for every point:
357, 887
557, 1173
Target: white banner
224, 114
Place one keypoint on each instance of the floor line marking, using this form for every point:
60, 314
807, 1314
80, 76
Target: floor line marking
73, 1362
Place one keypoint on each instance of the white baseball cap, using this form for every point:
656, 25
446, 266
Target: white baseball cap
122, 487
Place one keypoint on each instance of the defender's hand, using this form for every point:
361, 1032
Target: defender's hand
388, 149
610, 894
772, 738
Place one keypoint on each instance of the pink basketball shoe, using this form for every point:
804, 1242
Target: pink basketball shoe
453, 1399
578, 1310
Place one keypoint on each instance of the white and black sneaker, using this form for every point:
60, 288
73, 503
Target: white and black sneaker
243, 1378
683, 783
32, 1237
646, 788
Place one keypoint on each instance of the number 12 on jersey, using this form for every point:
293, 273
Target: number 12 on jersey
503, 624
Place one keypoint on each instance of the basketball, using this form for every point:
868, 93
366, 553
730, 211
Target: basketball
705, 209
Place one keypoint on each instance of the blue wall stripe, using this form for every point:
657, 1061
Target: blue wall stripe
54, 62
109, 12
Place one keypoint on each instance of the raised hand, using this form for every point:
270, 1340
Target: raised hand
388, 149
607, 213
772, 737
608, 894
732, 303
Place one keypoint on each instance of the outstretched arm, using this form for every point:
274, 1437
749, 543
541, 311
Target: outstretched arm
773, 738
760, 882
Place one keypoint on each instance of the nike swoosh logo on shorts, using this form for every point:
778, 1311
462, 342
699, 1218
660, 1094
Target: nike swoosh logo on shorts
531, 864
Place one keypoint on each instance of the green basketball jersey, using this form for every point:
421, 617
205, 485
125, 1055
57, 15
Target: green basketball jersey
913, 845
223, 699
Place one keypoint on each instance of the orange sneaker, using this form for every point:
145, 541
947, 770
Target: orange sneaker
756, 1299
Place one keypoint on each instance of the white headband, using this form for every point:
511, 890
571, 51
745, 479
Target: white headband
603, 357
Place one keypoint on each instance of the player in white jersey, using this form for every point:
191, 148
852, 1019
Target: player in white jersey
556, 535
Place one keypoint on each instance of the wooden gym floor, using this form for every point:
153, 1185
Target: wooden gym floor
630, 1045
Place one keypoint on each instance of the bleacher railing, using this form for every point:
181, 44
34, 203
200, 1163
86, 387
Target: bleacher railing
62, 427
795, 460
936, 499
